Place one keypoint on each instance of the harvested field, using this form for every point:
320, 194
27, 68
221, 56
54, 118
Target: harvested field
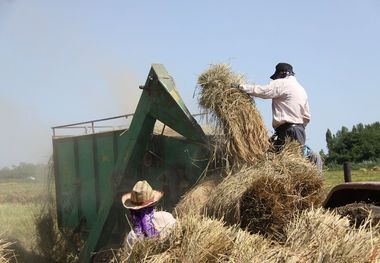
243, 137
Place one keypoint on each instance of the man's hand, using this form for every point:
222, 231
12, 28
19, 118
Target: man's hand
235, 85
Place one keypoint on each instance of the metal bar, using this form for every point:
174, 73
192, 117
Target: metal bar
347, 172
98, 120
75, 125
92, 127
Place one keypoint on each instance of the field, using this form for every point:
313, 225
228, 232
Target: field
20, 201
335, 177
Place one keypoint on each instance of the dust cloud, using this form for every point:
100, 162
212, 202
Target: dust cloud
24, 137
123, 85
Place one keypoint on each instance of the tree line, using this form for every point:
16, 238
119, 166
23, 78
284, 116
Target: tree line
24, 171
358, 145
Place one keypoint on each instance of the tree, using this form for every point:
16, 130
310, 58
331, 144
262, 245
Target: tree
360, 144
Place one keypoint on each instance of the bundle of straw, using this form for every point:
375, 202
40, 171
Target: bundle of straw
193, 239
264, 198
314, 235
6, 253
51, 244
244, 136
359, 213
193, 201
318, 235
201, 239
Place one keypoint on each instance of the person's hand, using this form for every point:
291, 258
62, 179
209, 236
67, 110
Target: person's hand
235, 85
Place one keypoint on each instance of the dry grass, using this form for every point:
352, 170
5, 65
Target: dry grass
193, 202
201, 239
6, 253
359, 213
193, 239
51, 244
264, 198
243, 137
317, 235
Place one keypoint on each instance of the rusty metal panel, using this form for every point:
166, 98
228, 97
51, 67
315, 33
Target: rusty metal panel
347, 193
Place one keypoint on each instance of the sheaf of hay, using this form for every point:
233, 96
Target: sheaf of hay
318, 235
6, 253
243, 138
193, 239
193, 202
263, 199
313, 235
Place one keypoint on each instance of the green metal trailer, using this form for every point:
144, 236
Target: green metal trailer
93, 170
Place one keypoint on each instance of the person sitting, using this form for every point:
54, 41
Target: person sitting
145, 220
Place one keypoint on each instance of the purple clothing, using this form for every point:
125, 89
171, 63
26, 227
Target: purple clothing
142, 222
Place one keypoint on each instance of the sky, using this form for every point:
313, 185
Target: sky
70, 61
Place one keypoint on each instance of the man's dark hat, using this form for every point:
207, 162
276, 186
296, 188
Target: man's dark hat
282, 68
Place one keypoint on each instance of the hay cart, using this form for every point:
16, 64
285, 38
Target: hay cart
93, 170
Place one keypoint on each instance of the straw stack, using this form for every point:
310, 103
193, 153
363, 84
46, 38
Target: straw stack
358, 213
192, 240
244, 139
201, 239
322, 236
193, 202
264, 198
315, 235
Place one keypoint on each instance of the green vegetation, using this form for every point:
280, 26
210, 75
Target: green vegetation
334, 177
361, 145
19, 203
28, 171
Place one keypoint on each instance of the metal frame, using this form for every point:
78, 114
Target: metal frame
93, 127
160, 101
91, 122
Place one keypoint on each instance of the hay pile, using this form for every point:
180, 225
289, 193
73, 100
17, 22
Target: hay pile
315, 235
200, 239
6, 253
264, 198
323, 236
359, 213
52, 245
244, 139
193, 202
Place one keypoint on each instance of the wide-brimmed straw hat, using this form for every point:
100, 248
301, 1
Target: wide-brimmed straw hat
142, 195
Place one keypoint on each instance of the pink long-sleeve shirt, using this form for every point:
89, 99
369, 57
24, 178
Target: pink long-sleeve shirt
289, 100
